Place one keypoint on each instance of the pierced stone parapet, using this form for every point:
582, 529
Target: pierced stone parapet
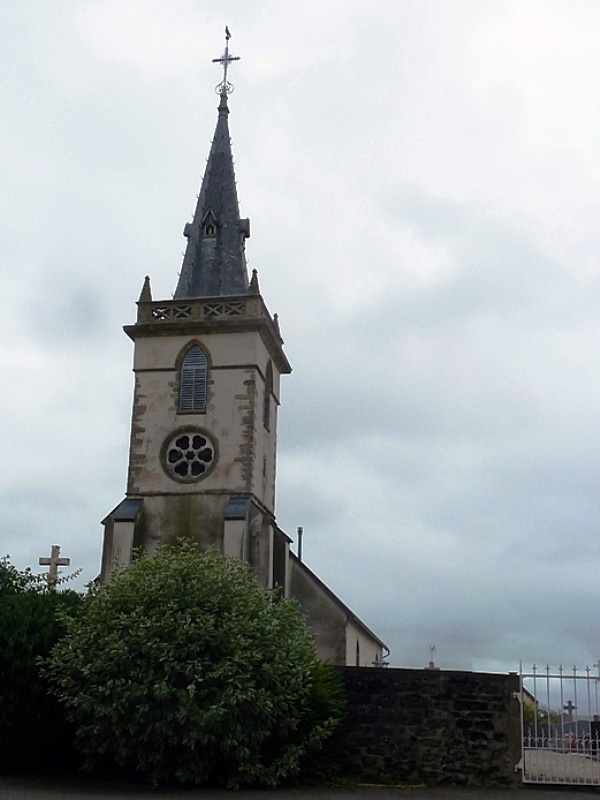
160, 312
218, 310
202, 309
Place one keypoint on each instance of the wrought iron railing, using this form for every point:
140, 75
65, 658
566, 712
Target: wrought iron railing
560, 725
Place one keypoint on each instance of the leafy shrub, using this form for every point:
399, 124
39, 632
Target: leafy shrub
328, 700
182, 668
34, 734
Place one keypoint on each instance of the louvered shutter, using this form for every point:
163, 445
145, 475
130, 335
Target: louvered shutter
192, 393
267, 397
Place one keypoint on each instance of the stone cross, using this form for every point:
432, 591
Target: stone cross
53, 563
570, 707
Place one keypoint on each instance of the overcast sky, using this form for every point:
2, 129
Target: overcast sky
423, 187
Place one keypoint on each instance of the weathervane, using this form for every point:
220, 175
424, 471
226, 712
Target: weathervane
225, 88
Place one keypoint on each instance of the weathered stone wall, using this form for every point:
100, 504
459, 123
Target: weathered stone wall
432, 727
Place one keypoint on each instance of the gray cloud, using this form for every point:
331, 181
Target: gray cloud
424, 220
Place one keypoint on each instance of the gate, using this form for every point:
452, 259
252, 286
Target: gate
560, 726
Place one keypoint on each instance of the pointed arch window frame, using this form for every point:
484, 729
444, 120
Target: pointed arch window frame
209, 225
193, 369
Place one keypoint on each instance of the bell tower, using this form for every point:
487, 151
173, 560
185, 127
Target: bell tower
207, 367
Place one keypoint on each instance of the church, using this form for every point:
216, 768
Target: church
202, 456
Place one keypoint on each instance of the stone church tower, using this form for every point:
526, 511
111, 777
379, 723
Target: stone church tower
207, 369
202, 453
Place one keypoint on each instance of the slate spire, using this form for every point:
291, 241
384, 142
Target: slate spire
214, 263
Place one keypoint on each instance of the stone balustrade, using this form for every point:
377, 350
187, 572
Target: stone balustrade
200, 310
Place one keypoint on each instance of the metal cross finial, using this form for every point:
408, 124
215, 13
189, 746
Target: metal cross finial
224, 88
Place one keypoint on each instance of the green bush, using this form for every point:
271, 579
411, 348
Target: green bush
182, 668
328, 699
34, 733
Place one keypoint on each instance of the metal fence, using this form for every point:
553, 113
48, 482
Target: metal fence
560, 725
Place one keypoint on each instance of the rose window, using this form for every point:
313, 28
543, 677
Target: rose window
188, 455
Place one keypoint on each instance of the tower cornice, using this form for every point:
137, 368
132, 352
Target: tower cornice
196, 316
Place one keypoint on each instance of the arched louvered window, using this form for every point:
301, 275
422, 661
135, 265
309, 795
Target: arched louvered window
192, 386
267, 397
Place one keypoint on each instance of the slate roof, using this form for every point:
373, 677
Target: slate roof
214, 263
126, 511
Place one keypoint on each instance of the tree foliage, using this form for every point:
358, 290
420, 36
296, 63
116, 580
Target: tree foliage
534, 714
182, 668
34, 735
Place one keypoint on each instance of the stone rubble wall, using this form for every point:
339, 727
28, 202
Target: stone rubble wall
432, 727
